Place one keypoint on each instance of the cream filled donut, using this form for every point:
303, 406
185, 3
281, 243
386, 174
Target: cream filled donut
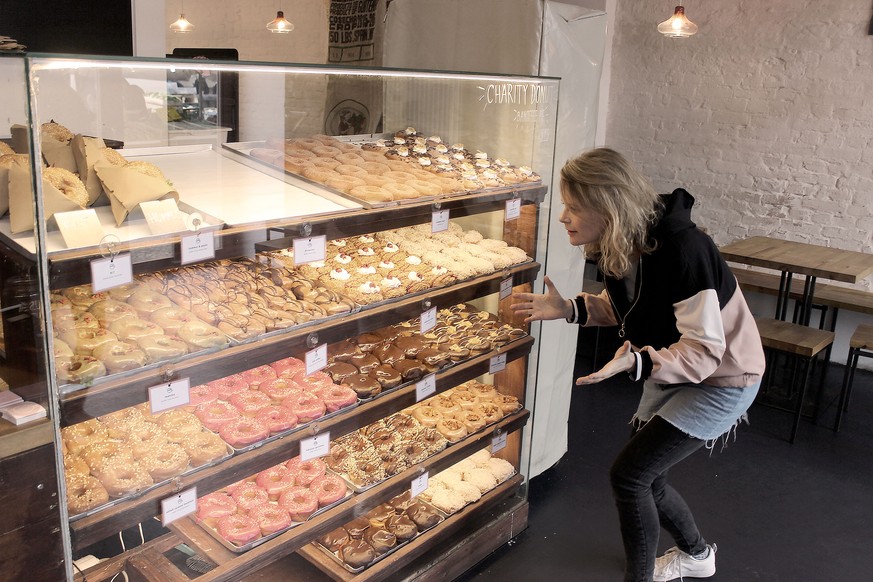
82, 296
79, 369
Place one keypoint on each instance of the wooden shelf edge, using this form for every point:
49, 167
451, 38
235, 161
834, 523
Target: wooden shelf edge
17, 439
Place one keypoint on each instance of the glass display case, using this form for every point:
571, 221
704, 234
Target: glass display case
294, 347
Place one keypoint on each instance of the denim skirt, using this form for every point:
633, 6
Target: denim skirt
699, 410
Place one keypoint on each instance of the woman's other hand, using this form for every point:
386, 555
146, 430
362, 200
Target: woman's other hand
623, 361
550, 305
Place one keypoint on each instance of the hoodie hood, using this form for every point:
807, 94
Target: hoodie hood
676, 214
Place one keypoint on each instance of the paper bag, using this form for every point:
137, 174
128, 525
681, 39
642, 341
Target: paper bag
19, 138
57, 153
21, 200
127, 188
86, 151
4, 183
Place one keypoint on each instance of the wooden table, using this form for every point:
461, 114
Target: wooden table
806, 259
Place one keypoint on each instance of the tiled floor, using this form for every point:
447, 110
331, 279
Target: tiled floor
778, 512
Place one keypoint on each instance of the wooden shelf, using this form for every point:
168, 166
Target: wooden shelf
17, 439
92, 528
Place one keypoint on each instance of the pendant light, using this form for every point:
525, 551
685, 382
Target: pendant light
279, 25
182, 24
678, 25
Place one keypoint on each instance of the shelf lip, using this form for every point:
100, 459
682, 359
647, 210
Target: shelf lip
18, 439
129, 390
93, 528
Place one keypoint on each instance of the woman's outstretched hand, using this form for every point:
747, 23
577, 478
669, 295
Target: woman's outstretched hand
623, 361
535, 307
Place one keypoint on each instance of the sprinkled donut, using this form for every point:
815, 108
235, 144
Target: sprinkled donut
214, 415
300, 503
242, 432
238, 529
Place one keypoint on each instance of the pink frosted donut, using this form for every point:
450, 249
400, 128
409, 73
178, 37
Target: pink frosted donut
314, 381
257, 375
238, 529
328, 489
271, 518
305, 472
337, 397
275, 481
277, 418
201, 394
280, 388
306, 406
300, 502
215, 415
242, 432
224, 387
250, 402
212, 507
247, 495
288, 366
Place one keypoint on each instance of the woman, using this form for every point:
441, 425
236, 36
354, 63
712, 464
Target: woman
688, 335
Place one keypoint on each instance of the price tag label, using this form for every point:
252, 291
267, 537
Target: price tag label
440, 221
111, 272
425, 387
497, 364
316, 359
178, 506
315, 447
513, 209
498, 443
428, 319
506, 287
169, 395
418, 485
80, 228
310, 249
198, 247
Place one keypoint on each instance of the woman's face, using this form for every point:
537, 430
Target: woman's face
583, 225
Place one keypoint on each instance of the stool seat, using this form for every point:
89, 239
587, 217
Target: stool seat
862, 339
860, 344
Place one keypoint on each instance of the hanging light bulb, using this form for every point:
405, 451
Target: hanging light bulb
182, 24
678, 25
279, 24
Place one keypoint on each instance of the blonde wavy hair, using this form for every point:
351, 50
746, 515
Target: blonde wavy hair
602, 181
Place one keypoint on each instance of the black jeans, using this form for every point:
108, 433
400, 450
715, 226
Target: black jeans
645, 502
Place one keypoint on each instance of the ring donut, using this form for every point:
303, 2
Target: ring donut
204, 447
372, 193
325, 151
172, 318
351, 170
84, 340
296, 164
425, 188
84, 492
120, 356
161, 347
147, 301
133, 329
111, 310
401, 191
202, 335
79, 369
349, 158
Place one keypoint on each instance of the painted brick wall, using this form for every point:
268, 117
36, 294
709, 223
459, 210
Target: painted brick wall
766, 115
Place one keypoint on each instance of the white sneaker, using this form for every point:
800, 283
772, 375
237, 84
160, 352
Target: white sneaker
677, 564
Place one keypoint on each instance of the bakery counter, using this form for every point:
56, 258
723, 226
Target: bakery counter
92, 528
113, 393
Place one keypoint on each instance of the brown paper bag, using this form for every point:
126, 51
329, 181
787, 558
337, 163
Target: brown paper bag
127, 188
4, 185
21, 200
19, 138
57, 153
86, 151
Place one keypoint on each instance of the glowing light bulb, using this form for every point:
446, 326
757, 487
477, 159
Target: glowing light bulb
678, 25
279, 24
182, 25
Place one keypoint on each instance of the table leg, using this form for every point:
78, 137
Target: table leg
784, 294
806, 299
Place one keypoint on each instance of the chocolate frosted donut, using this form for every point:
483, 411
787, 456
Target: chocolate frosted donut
410, 370
339, 371
388, 354
387, 376
379, 515
364, 362
403, 528
410, 346
403, 501
335, 539
433, 358
382, 540
367, 342
363, 385
342, 351
357, 526
357, 553
423, 516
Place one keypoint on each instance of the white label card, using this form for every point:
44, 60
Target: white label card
163, 216
418, 485
80, 228
440, 221
513, 209
170, 395
315, 447
111, 272
498, 442
316, 359
425, 387
506, 287
428, 319
497, 364
178, 506
198, 247
310, 249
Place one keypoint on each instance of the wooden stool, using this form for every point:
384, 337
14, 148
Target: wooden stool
799, 341
861, 344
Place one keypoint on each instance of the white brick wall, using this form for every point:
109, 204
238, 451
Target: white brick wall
766, 115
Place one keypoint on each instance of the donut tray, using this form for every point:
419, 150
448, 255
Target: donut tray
348, 568
253, 544
299, 427
122, 499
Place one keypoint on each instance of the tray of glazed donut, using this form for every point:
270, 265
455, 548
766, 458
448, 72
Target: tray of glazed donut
403, 167
126, 453
464, 409
165, 315
378, 533
267, 402
378, 267
466, 481
380, 450
261, 507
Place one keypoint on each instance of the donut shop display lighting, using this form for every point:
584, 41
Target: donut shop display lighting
280, 25
182, 24
678, 25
